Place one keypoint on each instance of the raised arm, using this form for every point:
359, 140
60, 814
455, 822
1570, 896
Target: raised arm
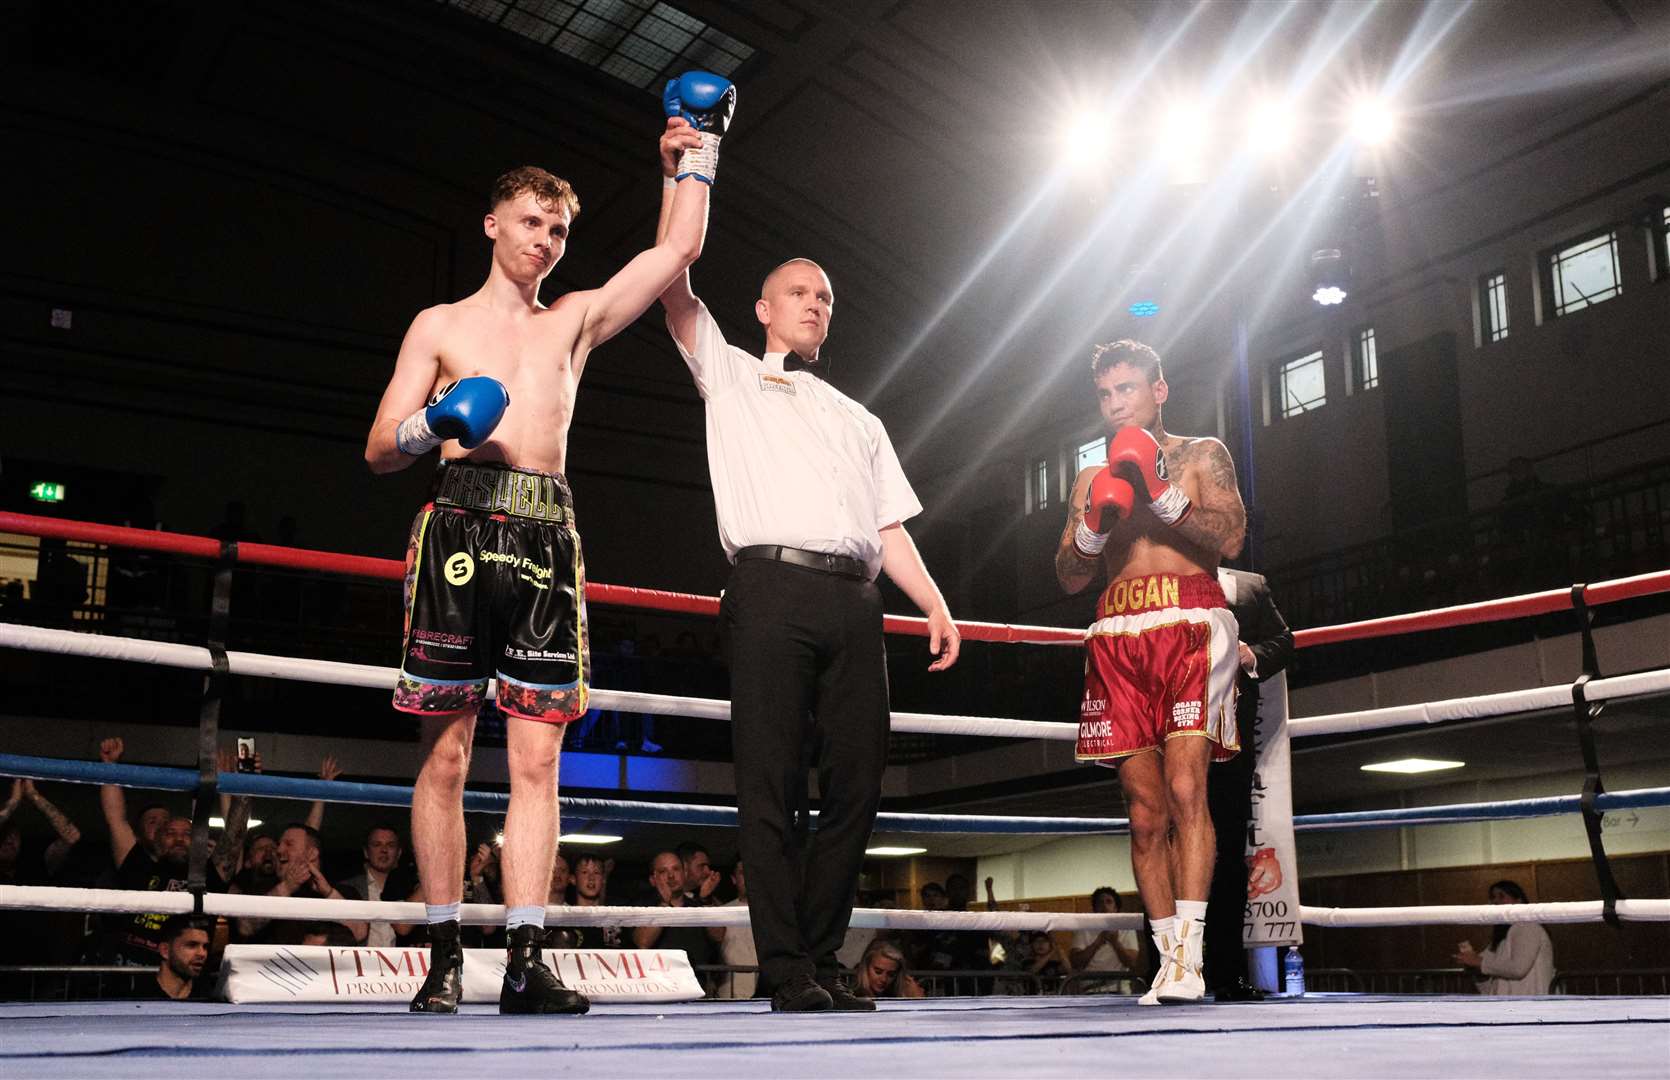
1219, 519
902, 564
678, 299
229, 853
328, 770
678, 243
12, 803
1073, 568
115, 806
67, 833
415, 372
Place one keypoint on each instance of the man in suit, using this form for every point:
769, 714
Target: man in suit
1266, 648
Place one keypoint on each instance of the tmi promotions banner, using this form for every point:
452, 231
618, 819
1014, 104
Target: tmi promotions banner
1272, 916
266, 973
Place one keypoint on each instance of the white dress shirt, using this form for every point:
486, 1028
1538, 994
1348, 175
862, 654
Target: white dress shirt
793, 460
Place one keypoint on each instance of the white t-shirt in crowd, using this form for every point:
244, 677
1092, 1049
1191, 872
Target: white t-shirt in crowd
1104, 958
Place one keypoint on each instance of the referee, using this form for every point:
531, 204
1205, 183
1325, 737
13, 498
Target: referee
809, 496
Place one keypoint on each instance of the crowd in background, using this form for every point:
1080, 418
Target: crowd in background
147, 846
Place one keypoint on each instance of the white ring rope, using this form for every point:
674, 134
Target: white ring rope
369, 676
238, 905
306, 909
1537, 699
372, 677
1580, 911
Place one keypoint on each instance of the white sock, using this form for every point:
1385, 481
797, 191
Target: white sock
529, 915
440, 913
1192, 911
1166, 927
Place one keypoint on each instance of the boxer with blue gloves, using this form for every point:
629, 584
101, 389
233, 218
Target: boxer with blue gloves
495, 582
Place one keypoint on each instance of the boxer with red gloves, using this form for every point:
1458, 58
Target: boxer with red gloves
1160, 671
495, 584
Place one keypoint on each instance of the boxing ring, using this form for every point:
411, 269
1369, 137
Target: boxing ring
1321, 1035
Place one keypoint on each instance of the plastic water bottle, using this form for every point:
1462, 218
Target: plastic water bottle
1293, 972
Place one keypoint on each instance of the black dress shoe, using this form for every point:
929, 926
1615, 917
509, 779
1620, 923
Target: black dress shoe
1239, 990
801, 993
444, 986
531, 987
845, 1000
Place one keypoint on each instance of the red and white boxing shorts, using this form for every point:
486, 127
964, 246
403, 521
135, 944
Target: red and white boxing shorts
1160, 663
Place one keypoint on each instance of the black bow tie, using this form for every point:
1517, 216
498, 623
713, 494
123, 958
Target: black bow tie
793, 361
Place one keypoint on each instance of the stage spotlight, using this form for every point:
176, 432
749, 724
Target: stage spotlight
1271, 127
1083, 140
1372, 122
1328, 273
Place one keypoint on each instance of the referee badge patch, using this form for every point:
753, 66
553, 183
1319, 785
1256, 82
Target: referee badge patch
776, 384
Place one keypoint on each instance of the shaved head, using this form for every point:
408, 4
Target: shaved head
771, 278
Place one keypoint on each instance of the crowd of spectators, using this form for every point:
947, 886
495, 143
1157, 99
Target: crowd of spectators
175, 956
148, 848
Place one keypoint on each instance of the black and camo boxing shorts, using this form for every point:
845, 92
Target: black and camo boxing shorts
495, 588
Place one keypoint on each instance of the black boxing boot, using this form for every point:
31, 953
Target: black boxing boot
530, 986
444, 987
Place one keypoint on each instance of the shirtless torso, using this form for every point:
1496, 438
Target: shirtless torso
536, 354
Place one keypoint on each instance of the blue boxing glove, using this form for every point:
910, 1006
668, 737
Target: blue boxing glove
706, 101
465, 409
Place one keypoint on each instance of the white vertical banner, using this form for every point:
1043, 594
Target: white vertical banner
1272, 913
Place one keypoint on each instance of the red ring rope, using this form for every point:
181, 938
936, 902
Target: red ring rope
1513, 607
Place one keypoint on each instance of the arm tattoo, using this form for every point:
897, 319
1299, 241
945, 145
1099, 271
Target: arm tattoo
230, 851
1219, 520
1072, 570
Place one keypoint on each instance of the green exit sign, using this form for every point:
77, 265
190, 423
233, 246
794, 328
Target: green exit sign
47, 491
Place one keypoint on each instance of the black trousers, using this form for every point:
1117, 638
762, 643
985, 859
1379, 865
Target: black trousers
1229, 800
808, 689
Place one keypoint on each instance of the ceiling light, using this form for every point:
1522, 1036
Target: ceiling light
1329, 274
886, 852
586, 838
220, 823
1083, 139
1412, 765
1372, 122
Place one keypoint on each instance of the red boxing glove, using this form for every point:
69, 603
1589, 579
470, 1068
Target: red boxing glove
1135, 455
1108, 501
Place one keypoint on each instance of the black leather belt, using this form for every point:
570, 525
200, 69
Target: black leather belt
839, 565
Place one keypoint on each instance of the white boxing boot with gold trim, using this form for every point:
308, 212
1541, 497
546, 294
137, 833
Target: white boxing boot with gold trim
1187, 985
1168, 970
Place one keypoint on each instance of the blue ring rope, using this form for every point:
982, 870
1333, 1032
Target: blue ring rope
160, 778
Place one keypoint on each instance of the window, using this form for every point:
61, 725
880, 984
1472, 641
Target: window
1493, 306
1039, 481
1365, 360
1301, 385
638, 41
1661, 244
1094, 452
1581, 274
